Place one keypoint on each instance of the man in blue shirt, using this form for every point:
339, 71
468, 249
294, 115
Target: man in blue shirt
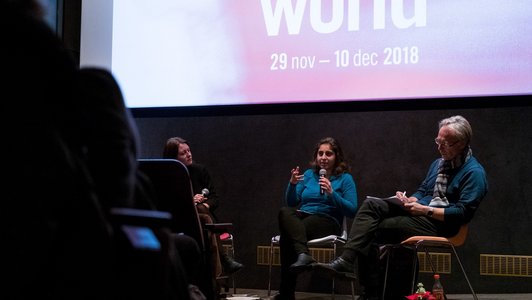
446, 199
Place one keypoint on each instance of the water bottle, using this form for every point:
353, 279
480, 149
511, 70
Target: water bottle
437, 288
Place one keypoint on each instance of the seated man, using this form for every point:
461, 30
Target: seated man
446, 199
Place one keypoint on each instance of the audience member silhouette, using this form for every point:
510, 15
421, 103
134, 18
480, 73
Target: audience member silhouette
70, 155
51, 216
107, 138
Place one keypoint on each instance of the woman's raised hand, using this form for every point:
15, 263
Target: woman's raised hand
295, 177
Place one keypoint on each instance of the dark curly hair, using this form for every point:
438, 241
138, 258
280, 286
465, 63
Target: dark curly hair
340, 164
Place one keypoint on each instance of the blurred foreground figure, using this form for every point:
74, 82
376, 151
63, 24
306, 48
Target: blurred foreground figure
69, 149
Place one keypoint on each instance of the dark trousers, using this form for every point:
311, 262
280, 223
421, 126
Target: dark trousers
296, 229
378, 222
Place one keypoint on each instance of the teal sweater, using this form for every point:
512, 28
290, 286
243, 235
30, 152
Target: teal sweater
306, 194
466, 187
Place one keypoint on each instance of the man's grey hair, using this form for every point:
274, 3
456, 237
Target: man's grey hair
460, 125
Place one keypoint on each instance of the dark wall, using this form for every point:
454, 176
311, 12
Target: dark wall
250, 157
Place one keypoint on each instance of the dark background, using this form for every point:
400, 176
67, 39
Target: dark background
251, 150
250, 158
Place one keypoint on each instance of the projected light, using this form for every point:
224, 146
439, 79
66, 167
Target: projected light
168, 53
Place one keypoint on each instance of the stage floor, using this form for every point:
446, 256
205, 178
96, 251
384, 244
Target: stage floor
263, 294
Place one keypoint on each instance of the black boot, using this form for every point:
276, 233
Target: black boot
304, 262
229, 265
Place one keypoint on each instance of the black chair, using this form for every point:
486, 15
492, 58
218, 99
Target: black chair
173, 194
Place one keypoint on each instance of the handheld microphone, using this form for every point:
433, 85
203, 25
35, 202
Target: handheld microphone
322, 173
204, 193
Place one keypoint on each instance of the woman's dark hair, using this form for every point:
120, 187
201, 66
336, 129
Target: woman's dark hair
340, 164
171, 149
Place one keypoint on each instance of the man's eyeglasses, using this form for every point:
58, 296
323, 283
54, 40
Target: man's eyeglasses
444, 144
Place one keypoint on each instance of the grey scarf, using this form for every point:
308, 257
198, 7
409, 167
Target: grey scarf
444, 170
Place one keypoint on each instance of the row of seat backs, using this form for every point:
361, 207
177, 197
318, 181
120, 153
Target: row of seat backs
173, 194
